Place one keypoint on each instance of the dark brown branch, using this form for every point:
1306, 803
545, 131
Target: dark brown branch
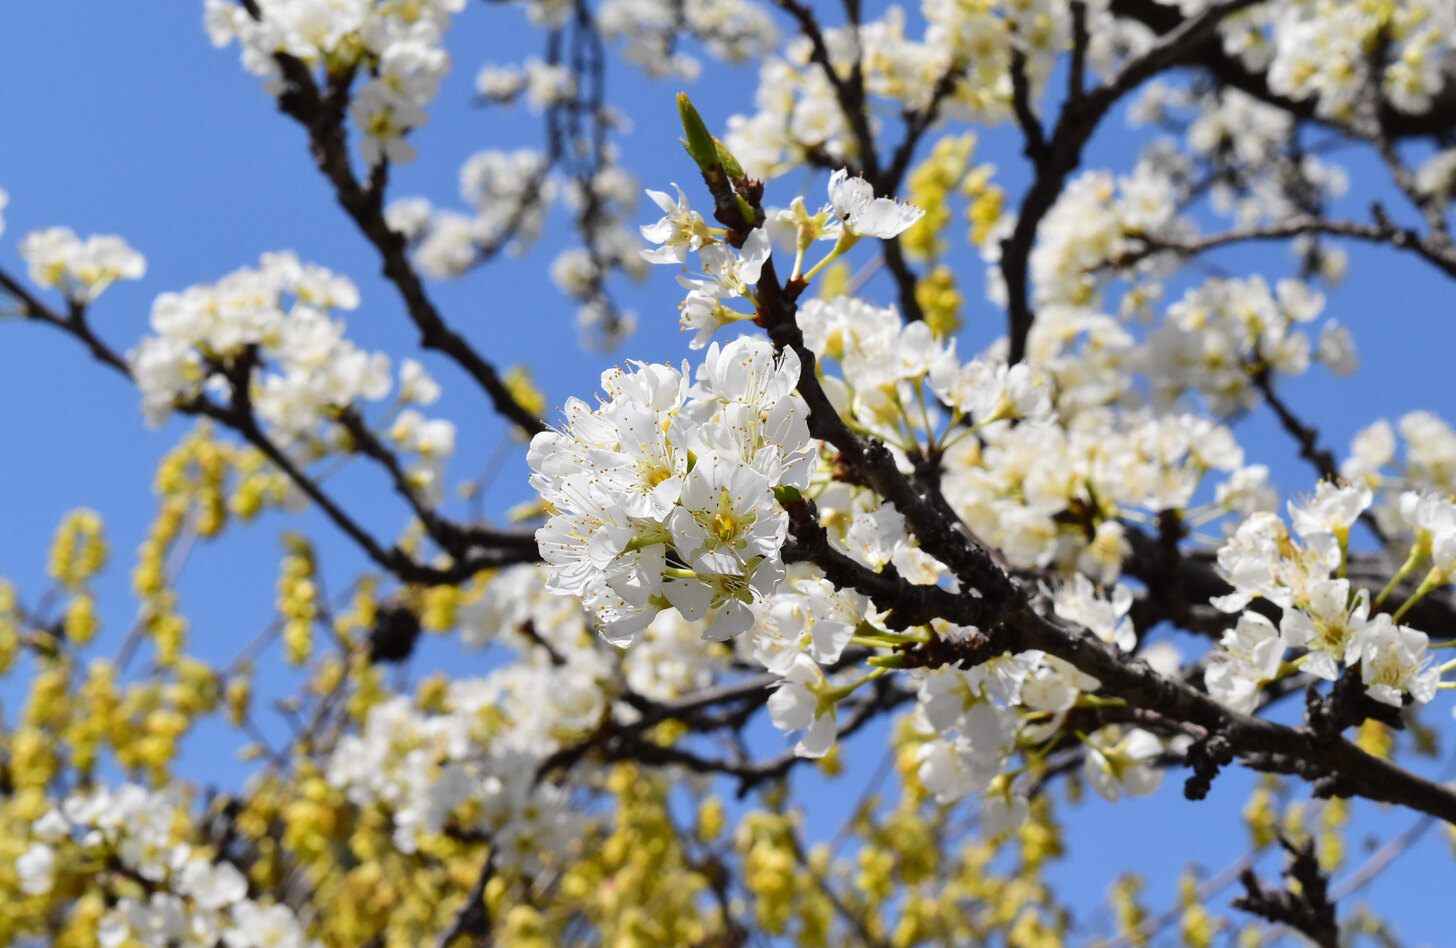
322, 114
884, 697
500, 549
736, 702
1034, 138
1081, 39
1310, 449
1059, 156
74, 323
1306, 909
239, 417
365, 441
455, 539
473, 919
1230, 71
848, 91
1306, 435
916, 125
1012, 618
850, 95
1383, 231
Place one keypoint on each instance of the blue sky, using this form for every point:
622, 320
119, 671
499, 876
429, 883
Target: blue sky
121, 118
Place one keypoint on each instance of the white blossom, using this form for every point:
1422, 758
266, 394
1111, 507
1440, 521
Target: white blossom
865, 215
1117, 763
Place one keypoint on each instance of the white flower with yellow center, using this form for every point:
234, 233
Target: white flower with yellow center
731, 594
727, 517
1393, 660
726, 273
683, 229
865, 215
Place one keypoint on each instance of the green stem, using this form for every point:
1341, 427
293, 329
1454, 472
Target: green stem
884, 640
643, 542
1289, 668
1434, 579
1411, 562
1097, 701
925, 417
844, 691
845, 241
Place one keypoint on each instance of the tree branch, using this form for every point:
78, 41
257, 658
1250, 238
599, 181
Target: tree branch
1383, 231
473, 918
1059, 157
500, 548
323, 117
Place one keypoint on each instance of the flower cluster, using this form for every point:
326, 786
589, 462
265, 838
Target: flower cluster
194, 899
271, 333
543, 84
466, 757
664, 494
691, 514
799, 115
977, 720
81, 269
206, 330
395, 43
1217, 340
652, 31
510, 194
1096, 220
1428, 463
427, 770
1051, 489
1226, 331
1334, 621
853, 212
671, 659
1319, 52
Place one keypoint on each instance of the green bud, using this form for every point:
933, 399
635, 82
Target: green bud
725, 157
700, 144
787, 495
745, 209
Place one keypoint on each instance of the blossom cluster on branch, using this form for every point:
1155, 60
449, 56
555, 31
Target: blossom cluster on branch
1027, 560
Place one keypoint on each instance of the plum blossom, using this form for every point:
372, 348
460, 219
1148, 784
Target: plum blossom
1249, 656
80, 269
798, 704
1326, 620
865, 215
661, 469
726, 273
1115, 763
680, 231
37, 869
1394, 662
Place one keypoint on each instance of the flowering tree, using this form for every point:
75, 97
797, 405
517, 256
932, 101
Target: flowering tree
836, 517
